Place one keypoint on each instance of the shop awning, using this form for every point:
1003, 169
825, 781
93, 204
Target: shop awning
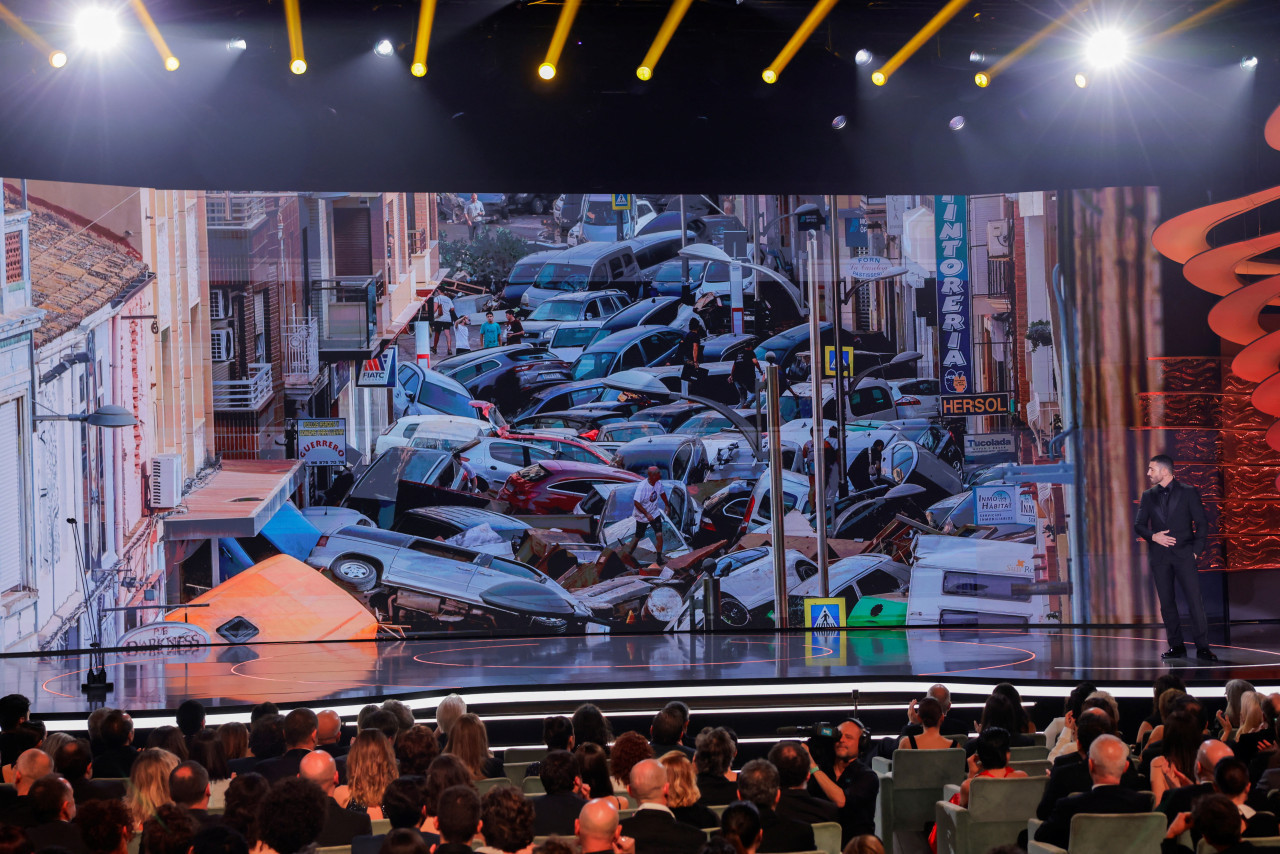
237, 501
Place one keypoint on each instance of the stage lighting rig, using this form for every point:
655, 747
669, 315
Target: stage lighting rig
956, 123
97, 28
1106, 48
1249, 62
237, 44
863, 57
384, 48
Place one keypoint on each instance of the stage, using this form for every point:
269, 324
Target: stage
549, 672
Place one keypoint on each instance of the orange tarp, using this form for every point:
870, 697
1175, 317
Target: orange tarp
287, 600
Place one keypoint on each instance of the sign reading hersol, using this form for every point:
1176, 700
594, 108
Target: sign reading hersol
993, 403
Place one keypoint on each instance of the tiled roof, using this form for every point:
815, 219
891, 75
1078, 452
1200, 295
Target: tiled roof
74, 269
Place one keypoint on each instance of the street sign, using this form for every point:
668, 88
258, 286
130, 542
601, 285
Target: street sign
983, 445
621, 201
826, 648
993, 403
810, 220
855, 232
869, 266
322, 441
378, 372
824, 613
829, 360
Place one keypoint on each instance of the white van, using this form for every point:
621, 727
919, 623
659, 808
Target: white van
958, 581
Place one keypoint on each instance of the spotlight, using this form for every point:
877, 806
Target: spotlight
770, 76
1082, 81
644, 72
171, 63
977, 57
97, 28
1249, 62
1106, 48
546, 71
237, 44
418, 69
878, 78
839, 122
384, 48
982, 79
863, 57
57, 59
956, 122
298, 66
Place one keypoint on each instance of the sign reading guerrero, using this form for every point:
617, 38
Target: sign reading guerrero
322, 441
951, 215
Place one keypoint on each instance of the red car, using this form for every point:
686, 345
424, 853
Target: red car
556, 486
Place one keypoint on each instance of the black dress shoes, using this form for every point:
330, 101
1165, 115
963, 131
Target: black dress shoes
1206, 654
1174, 652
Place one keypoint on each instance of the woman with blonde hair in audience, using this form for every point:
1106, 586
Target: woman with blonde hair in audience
235, 740
148, 788
684, 799
469, 741
371, 765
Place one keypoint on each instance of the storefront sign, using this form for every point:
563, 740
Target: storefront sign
1003, 504
995, 403
378, 372
322, 441
951, 219
869, 266
164, 635
989, 445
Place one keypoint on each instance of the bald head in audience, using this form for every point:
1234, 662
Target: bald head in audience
597, 825
328, 727
31, 766
1108, 759
648, 783
1211, 752
319, 767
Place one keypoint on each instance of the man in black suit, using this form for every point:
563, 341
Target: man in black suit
558, 810
1179, 799
1231, 778
299, 740
1108, 758
1070, 773
758, 784
459, 816
402, 806
189, 788
74, 761
53, 809
792, 762
653, 826
340, 825
1217, 820
598, 829
266, 741
190, 720
666, 733
118, 752
31, 766
1171, 518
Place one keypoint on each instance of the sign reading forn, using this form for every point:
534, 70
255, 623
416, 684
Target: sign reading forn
993, 403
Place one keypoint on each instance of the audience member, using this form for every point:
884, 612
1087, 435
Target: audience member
1178, 799
170, 831
450, 709
1060, 729
384, 722
590, 725
50, 744
169, 738
14, 709
929, 713
189, 788
329, 733
32, 764
1023, 723
190, 719
849, 783
1164, 682
340, 825
299, 740
371, 765
234, 738
871, 844
14, 841
793, 764
1108, 758
445, 772
105, 826
506, 820
1231, 778
1176, 764
74, 761
683, 796
266, 741
1070, 774
404, 840
628, 749
599, 829
206, 749
149, 784
1235, 689
114, 757
740, 825
261, 711
653, 826
557, 734
53, 808
415, 749
1217, 820
556, 811
666, 733
459, 819
952, 722
244, 795
402, 803
713, 757
990, 759
219, 839
758, 784
402, 713
469, 741
291, 816
593, 767
999, 712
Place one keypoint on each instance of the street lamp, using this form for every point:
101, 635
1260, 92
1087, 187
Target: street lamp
638, 382
110, 416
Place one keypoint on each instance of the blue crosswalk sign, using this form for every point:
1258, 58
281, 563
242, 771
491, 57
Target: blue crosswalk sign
621, 201
824, 613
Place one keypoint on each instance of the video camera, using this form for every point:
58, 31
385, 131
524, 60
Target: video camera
821, 740
818, 730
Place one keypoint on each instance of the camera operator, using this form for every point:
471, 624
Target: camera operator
848, 783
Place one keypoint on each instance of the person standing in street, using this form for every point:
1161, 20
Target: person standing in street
1171, 518
490, 332
515, 329
645, 512
442, 323
743, 375
690, 354
831, 459
473, 213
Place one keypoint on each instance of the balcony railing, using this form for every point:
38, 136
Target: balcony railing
247, 395
234, 210
1000, 279
301, 353
346, 313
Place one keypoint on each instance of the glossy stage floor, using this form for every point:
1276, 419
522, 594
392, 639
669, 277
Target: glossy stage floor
571, 669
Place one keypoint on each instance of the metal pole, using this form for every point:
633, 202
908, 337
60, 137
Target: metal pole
819, 440
776, 504
837, 321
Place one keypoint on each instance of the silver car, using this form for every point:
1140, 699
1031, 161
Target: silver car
430, 585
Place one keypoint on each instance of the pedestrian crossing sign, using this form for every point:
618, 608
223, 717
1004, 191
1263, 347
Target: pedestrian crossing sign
826, 649
824, 613
621, 201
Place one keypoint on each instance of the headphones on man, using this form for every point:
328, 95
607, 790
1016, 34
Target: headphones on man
864, 743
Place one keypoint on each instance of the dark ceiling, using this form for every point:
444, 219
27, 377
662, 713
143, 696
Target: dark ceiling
1182, 112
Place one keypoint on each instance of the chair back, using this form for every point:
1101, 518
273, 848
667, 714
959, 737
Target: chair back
533, 786
1022, 754
524, 754
488, 783
515, 771
1032, 767
1132, 833
381, 826
826, 836
1012, 800
718, 809
927, 769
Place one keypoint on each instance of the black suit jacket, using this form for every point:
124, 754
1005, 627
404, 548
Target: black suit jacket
115, 762
96, 790
18, 813
373, 844
802, 806
660, 749
334, 750
62, 834
245, 765
282, 766
205, 818
657, 832
1110, 800
716, 790
1185, 521
1180, 799
784, 834
1262, 824
555, 814
341, 826
1070, 776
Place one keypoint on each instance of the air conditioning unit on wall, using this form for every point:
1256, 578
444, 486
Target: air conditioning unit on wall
164, 489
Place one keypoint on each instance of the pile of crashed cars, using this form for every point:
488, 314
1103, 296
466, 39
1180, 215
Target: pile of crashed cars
501, 496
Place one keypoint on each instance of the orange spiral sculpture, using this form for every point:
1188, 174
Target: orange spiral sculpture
1246, 285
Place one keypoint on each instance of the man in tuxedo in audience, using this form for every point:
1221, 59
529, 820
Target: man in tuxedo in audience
266, 741
118, 752
653, 826
1108, 759
1070, 773
53, 808
758, 784
299, 740
459, 817
31, 766
189, 788
558, 810
598, 829
340, 825
190, 720
1217, 820
74, 761
1231, 778
792, 762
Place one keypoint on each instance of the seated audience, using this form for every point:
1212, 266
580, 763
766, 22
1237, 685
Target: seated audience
593, 767
1176, 764
190, 719
459, 814
244, 795
170, 831
371, 765
445, 772
1060, 733
713, 757
557, 734
1070, 774
1022, 720
999, 712
741, 827
206, 749
14, 709
1179, 799
628, 749
653, 826
758, 785
599, 829
329, 733
929, 713
450, 709
299, 740
1164, 682
403, 715
234, 738
291, 817
506, 821
32, 764
666, 733
53, 808
683, 796
105, 827
990, 759
149, 784
74, 761
266, 741
469, 741
415, 748
189, 788
169, 738
115, 734
1231, 777
1217, 820
590, 725
340, 825
793, 764
557, 810
1108, 758
402, 802
952, 722
849, 783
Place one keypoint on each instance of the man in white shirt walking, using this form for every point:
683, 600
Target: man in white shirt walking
473, 213
646, 513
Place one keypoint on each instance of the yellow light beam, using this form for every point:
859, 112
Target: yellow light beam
26, 32
937, 22
798, 38
166, 55
1194, 21
568, 11
426, 15
674, 16
1030, 44
293, 20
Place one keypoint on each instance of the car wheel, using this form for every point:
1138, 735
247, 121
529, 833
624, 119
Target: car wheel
537, 206
733, 612
355, 572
